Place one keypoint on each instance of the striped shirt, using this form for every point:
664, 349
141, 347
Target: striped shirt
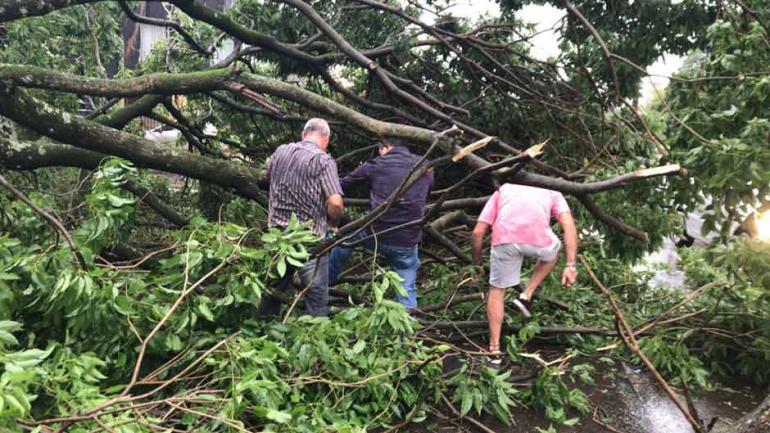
302, 178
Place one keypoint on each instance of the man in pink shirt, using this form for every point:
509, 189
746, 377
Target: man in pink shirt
520, 218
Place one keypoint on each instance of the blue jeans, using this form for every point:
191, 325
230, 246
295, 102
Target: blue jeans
313, 276
403, 260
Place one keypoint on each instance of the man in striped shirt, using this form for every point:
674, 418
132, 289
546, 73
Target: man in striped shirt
304, 182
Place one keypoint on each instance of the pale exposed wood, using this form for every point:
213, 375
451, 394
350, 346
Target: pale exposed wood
476, 145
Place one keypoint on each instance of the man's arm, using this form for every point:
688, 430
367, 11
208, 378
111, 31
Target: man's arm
486, 218
270, 160
569, 275
477, 241
362, 173
330, 185
334, 208
431, 177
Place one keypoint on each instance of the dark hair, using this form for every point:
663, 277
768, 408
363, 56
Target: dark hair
394, 141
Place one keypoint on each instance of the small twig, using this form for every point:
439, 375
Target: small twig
645, 327
206, 415
595, 419
691, 404
55, 223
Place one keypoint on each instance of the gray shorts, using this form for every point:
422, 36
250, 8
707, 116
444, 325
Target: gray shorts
506, 260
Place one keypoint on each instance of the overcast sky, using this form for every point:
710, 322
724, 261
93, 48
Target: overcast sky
545, 44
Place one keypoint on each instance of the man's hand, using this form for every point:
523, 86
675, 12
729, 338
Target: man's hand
331, 232
569, 275
334, 207
478, 274
477, 241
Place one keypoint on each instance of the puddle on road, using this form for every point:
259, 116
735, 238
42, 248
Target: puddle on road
637, 404
631, 402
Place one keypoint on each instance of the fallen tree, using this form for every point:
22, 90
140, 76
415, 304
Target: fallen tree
179, 311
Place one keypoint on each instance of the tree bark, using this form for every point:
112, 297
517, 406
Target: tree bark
84, 134
33, 155
15, 9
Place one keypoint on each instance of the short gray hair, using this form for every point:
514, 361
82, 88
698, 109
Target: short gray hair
316, 125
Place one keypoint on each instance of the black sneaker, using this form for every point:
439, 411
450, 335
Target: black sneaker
524, 305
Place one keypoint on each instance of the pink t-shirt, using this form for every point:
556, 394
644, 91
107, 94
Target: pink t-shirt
522, 214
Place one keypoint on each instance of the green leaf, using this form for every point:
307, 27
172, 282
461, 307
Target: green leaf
116, 201
8, 338
294, 262
205, 312
281, 267
466, 404
14, 403
22, 398
4, 276
272, 414
359, 346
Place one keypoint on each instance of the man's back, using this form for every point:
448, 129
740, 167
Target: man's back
385, 174
302, 177
522, 214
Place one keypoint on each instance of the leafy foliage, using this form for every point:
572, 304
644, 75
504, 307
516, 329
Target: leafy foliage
70, 338
721, 95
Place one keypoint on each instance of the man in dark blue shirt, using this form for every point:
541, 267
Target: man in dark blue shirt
383, 175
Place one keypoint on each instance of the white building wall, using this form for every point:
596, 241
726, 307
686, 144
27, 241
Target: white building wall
150, 35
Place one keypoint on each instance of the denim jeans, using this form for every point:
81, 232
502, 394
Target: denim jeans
403, 260
314, 276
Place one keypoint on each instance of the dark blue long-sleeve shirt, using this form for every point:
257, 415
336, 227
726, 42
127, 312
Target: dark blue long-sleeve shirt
383, 175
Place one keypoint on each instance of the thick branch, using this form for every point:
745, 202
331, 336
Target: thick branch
434, 230
21, 155
118, 119
66, 128
610, 220
543, 330
576, 188
199, 11
166, 84
15, 9
34, 155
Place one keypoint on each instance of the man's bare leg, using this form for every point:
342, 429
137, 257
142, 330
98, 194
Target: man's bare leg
541, 270
495, 315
